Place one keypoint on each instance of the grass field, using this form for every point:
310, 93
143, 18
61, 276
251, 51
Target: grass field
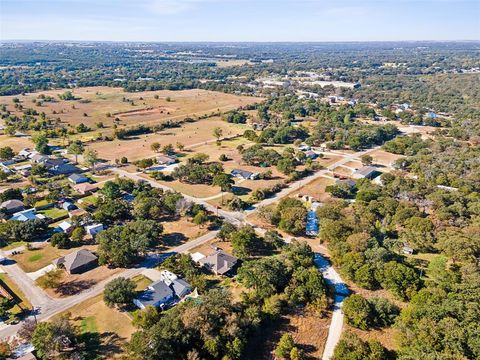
188, 134
111, 326
97, 102
315, 189
384, 158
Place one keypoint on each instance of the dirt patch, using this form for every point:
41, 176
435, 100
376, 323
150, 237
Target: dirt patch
315, 189
384, 158
178, 232
308, 331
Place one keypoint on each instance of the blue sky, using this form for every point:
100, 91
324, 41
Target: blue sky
240, 20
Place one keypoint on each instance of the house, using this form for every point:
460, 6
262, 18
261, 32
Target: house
407, 250
66, 227
62, 169
220, 263
77, 262
367, 172
68, 205
94, 229
78, 179
304, 147
39, 159
23, 169
85, 188
311, 154
25, 215
76, 212
181, 288
12, 206
166, 160
5, 168
158, 294
244, 174
347, 182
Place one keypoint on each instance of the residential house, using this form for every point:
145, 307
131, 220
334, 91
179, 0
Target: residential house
85, 188
167, 276
158, 294
244, 174
220, 263
181, 288
78, 179
66, 227
23, 170
25, 215
68, 205
94, 229
12, 206
367, 172
166, 160
77, 262
60, 167
39, 159
311, 154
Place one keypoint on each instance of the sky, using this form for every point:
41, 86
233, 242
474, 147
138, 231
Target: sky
240, 20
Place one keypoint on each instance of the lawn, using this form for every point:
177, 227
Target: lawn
23, 301
109, 325
54, 213
89, 200
142, 282
33, 260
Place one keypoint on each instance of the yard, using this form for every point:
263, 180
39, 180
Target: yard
315, 189
180, 231
23, 302
384, 158
110, 326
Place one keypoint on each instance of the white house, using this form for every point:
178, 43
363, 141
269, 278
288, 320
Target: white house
94, 229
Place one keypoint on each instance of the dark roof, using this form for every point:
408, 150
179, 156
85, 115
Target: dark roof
348, 182
76, 177
220, 262
76, 259
243, 173
155, 293
63, 169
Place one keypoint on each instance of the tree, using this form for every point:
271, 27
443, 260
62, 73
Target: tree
6, 153
76, 148
286, 165
366, 159
168, 149
111, 190
56, 339
284, 346
155, 146
200, 218
51, 280
119, 292
217, 133
224, 181
351, 347
91, 158
78, 234
61, 240
358, 312
244, 242
41, 143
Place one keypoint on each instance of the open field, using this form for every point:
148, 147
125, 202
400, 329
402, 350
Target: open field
96, 102
384, 158
76, 283
328, 160
315, 189
111, 326
188, 134
180, 231
16, 143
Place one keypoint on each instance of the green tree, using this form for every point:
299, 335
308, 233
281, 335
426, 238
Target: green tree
358, 312
60, 240
119, 292
41, 143
284, 346
76, 148
91, 158
6, 153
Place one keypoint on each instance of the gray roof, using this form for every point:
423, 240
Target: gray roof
220, 262
243, 173
12, 204
348, 182
155, 293
366, 170
75, 259
179, 286
76, 177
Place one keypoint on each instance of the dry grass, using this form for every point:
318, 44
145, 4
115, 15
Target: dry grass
147, 109
188, 134
180, 231
73, 284
328, 160
309, 332
16, 143
315, 189
114, 327
384, 158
